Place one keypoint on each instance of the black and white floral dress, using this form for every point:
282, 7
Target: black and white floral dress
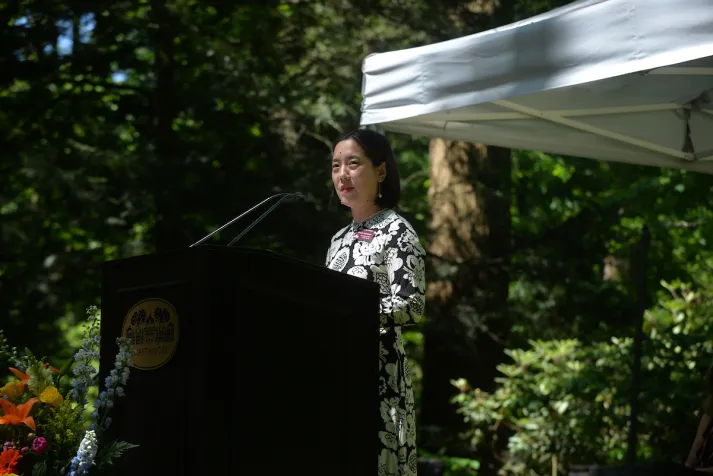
386, 249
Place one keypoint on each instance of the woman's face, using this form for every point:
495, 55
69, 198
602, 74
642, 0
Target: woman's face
355, 178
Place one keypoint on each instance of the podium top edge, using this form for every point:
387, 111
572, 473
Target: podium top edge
204, 249
272, 260
213, 250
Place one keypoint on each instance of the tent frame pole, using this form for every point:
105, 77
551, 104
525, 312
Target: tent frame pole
644, 246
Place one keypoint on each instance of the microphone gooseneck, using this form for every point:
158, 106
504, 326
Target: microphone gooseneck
283, 197
286, 198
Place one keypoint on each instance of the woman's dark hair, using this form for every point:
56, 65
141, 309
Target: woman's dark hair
378, 150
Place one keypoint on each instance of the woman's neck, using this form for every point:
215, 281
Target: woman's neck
364, 213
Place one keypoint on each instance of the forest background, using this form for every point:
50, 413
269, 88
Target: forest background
134, 127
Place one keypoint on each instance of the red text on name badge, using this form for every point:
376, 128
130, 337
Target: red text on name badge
365, 235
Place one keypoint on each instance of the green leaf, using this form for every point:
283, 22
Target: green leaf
65, 368
111, 452
40, 378
40, 468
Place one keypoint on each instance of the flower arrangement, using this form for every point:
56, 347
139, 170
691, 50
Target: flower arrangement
44, 427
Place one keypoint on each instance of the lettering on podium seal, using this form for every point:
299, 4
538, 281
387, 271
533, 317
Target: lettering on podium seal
152, 325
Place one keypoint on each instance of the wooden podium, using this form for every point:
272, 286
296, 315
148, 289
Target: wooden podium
247, 362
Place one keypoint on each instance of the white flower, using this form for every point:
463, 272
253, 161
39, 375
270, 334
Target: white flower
388, 439
358, 271
403, 455
410, 430
340, 261
370, 252
396, 305
392, 370
388, 409
408, 243
336, 244
394, 227
388, 462
416, 271
84, 459
394, 264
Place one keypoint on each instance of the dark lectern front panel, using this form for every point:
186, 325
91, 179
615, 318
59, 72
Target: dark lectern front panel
275, 369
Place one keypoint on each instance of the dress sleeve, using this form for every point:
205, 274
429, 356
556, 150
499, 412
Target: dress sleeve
405, 267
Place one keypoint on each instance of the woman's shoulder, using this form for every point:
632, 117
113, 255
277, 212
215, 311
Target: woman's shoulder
396, 222
402, 235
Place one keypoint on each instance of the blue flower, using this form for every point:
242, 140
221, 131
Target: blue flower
84, 459
84, 371
113, 383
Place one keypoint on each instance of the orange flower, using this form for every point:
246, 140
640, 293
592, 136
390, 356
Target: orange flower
22, 376
17, 415
52, 369
8, 460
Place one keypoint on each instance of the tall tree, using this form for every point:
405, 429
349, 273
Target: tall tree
468, 323
467, 326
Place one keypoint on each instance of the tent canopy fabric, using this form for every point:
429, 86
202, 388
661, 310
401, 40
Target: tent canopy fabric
619, 80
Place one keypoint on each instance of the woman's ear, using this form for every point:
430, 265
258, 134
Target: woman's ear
381, 172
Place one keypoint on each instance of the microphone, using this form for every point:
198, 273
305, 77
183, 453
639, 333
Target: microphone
288, 196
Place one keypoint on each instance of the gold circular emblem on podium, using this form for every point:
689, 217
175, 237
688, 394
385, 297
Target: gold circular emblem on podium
152, 325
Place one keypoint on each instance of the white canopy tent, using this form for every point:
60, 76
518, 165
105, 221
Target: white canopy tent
618, 80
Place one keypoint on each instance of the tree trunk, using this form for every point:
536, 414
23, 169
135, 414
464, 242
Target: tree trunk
467, 318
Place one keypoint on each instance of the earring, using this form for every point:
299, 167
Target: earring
379, 189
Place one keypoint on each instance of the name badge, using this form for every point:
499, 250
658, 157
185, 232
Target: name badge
365, 235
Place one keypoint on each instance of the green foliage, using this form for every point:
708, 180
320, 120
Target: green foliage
568, 401
39, 468
8, 354
573, 217
110, 452
40, 377
59, 425
454, 466
134, 127
64, 428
